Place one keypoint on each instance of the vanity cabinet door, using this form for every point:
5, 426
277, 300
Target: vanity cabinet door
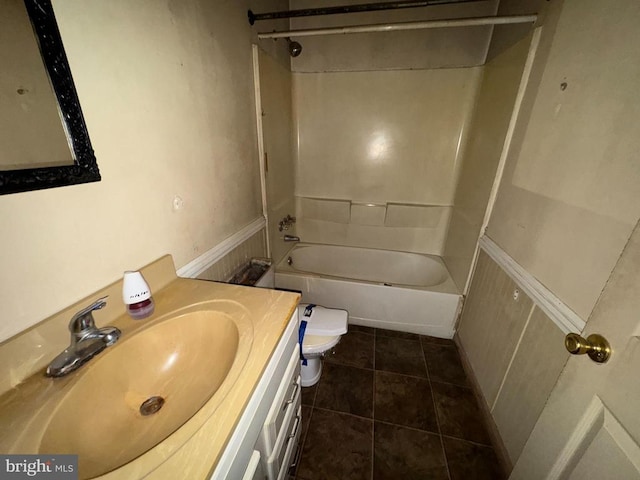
288, 391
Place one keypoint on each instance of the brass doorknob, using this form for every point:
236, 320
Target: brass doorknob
595, 345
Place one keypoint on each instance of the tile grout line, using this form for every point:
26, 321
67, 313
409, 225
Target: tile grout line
343, 413
409, 427
373, 410
478, 444
333, 362
452, 384
315, 391
435, 411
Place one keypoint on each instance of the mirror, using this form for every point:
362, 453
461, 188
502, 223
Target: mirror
44, 141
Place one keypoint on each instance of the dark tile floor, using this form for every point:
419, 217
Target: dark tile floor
393, 405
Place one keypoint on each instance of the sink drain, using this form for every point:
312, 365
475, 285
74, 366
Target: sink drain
151, 405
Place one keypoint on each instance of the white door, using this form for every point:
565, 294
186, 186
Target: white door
590, 427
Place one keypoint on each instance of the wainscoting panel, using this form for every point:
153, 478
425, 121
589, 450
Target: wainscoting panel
514, 349
536, 366
492, 324
223, 269
219, 262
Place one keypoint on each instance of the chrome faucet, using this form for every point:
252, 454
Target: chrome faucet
291, 238
86, 341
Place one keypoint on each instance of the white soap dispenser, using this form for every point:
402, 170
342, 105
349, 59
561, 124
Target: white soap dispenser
137, 296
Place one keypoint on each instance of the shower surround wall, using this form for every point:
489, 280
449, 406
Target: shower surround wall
378, 155
501, 78
380, 126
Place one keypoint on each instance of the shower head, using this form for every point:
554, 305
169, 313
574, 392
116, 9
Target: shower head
294, 47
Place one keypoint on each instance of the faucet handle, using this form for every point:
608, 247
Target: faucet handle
84, 319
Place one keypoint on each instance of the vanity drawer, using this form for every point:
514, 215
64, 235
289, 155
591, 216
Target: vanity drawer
288, 391
292, 446
279, 461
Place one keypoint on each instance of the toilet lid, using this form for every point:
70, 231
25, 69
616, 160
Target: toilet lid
321, 321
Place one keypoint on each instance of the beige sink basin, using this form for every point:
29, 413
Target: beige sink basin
136, 393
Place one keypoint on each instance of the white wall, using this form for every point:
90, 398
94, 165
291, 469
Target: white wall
167, 94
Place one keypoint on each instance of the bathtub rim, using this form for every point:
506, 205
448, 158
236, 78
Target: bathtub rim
447, 286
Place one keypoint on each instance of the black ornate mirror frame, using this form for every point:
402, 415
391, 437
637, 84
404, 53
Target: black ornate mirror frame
85, 168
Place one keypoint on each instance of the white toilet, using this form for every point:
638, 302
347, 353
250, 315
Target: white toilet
320, 330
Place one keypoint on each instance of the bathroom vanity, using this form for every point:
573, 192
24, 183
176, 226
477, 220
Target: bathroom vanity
265, 442
223, 358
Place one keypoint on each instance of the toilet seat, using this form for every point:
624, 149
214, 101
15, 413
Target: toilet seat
313, 344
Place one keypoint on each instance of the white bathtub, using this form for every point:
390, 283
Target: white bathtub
379, 288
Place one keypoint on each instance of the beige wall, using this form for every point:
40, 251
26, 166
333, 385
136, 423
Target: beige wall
420, 49
27, 102
167, 94
380, 138
277, 128
570, 195
494, 106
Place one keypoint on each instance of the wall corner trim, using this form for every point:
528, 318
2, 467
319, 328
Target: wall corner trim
566, 319
198, 265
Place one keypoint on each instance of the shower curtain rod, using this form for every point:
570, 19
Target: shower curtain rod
392, 27
365, 7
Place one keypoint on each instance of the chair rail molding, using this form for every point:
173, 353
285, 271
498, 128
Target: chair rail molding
198, 265
559, 312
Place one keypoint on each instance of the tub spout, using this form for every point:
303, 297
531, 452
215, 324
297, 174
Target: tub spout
291, 238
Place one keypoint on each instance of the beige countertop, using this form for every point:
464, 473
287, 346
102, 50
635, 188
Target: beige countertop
29, 399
